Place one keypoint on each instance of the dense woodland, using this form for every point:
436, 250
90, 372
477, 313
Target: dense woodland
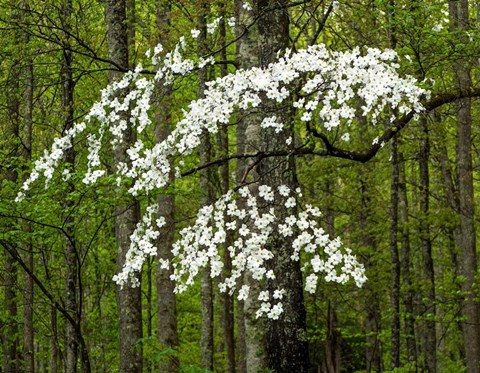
400, 193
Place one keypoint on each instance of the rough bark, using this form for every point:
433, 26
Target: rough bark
285, 342
28, 330
71, 255
10, 338
394, 201
372, 320
468, 257
54, 352
394, 256
206, 287
408, 295
227, 299
9, 276
166, 301
127, 215
453, 232
333, 348
250, 350
429, 333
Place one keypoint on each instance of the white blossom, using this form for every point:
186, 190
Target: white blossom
333, 82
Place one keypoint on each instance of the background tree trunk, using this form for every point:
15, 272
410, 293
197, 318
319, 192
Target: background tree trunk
206, 197
394, 255
408, 295
128, 299
429, 333
251, 331
166, 300
71, 255
468, 257
13, 150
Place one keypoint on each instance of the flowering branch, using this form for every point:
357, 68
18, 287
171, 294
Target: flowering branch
330, 85
396, 126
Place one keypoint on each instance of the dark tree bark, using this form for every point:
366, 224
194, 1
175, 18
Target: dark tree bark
286, 343
10, 337
429, 332
468, 257
372, 323
54, 352
28, 304
227, 299
250, 351
129, 299
408, 295
333, 339
394, 201
71, 254
453, 233
206, 187
166, 301
394, 255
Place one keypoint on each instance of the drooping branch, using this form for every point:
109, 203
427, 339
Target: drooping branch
363, 156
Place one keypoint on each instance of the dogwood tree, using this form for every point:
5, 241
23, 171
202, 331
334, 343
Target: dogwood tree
324, 88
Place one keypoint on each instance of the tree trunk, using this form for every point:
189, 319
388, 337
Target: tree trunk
333, 339
394, 255
28, 330
71, 255
12, 132
468, 257
166, 301
129, 299
206, 288
394, 200
251, 331
429, 333
53, 340
409, 318
454, 233
286, 342
227, 299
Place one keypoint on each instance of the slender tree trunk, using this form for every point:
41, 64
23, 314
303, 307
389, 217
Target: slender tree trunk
241, 344
372, 322
394, 255
206, 198
468, 257
166, 302
71, 255
454, 233
28, 329
333, 338
407, 298
373, 351
129, 299
53, 340
10, 352
394, 201
429, 333
251, 356
12, 131
227, 300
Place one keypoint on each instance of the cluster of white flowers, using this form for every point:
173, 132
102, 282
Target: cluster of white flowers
332, 84
142, 246
334, 80
200, 245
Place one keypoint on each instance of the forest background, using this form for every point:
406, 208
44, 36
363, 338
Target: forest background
408, 213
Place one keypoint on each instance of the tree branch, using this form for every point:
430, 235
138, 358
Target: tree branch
399, 124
